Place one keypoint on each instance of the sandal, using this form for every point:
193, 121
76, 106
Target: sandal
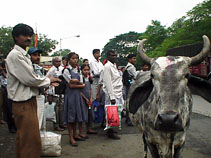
84, 137
79, 138
73, 144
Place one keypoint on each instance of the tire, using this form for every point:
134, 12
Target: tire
209, 80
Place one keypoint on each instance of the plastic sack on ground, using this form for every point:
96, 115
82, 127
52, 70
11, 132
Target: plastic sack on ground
113, 116
51, 144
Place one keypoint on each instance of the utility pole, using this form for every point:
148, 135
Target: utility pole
60, 41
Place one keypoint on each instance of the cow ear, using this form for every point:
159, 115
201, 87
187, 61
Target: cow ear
139, 91
139, 96
200, 87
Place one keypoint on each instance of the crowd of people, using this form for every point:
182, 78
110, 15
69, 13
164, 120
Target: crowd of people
26, 89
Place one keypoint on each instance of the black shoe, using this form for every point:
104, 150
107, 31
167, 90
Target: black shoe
62, 126
123, 114
113, 136
126, 121
103, 125
129, 124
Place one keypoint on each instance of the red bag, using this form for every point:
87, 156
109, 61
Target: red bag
112, 116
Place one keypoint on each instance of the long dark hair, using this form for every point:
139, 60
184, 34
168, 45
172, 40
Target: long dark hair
82, 67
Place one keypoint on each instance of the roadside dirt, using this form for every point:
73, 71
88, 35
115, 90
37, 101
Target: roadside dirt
198, 144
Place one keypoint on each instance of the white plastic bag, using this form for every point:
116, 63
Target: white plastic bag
51, 143
40, 108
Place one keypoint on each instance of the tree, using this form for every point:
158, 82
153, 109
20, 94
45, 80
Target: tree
62, 52
200, 12
190, 28
178, 24
46, 44
155, 34
6, 40
186, 30
123, 44
80, 61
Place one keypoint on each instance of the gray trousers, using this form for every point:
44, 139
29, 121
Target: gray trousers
94, 88
58, 110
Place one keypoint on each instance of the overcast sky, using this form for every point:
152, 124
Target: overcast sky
96, 21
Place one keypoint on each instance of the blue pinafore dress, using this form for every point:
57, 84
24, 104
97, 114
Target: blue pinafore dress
73, 103
86, 92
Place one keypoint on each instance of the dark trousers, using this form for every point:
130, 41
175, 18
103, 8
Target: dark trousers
127, 108
7, 107
28, 141
2, 113
58, 111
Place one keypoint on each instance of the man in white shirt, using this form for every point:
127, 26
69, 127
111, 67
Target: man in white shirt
112, 85
63, 64
22, 87
56, 70
95, 68
131, 69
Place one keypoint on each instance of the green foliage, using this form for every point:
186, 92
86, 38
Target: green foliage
80, 61
123, 44
155, 34
46, 44
6, 40
62, 52
188, 29
178, 24
200, 12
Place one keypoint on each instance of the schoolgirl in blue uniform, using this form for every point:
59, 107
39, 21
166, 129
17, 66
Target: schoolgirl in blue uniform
86, 94
73, 112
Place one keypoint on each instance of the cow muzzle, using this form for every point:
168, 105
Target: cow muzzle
169, 122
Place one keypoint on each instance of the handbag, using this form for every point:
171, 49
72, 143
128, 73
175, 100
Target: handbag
113, 116
98, 111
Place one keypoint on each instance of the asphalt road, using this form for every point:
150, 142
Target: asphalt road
198, 140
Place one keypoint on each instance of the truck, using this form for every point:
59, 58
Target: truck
203, 69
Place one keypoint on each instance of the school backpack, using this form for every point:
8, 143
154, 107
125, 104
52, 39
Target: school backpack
126, 78
62, 85
98, 111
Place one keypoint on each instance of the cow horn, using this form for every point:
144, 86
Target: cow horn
204, 52
141, 52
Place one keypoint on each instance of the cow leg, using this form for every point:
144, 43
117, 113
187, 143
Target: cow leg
178, 151
145, 147
153, 149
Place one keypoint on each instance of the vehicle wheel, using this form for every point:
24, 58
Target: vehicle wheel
209, 80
